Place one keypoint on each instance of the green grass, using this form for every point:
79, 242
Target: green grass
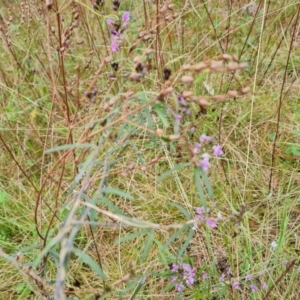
136, 224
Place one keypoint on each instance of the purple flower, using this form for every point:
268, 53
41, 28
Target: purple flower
204, 275
200, 210
114, 47
204, 164
253, 288
235, 285
205, 138
185, 272
222, 277
198, 145
178, 117
265, 286
188, 112
179, 287
126, 16
175, 268
211, 223
218, 150
249, 277
110, 22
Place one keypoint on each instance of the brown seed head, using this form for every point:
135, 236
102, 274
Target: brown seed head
187, 79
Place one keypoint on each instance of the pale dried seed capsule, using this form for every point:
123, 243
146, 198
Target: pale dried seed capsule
232, 94
175, 15
148, 51
232, 66
147, 37
174, 137
187, 79
187, 94
171, 6
108, 59
200, 66
203, 102
235, 58
245, 90
164, 9
137, 60
167, 18
244, 65
143, 168
227, 56
186, 67
159, 132
166, 91
216, 65
142, 33
131, 166
49, 4
219, 98
53, 29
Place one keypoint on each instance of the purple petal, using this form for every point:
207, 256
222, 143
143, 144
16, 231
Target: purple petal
211, 223
126, 16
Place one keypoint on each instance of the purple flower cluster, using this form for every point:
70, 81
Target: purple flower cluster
205, 140
116, 31
201, 213
185, 275
253, 287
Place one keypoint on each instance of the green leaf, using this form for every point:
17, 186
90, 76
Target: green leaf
199, 186
110, 205
174, 169
183, 210
207, 184
118, 192
69, 146
131, 236
138, 288
186, 244
2, 197
147, 246
161, 114
90, 261
175, 235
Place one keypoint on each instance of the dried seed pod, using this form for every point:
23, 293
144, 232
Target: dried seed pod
174, 137
232, 94
186, 67
137, 59
148, 52
142, 33
232, 66
49, 4
187, 79
245, 90
203, 103
226, 56
187, 94
244, 65
164, 9
200, 66
219, 98
159, 132
216, 65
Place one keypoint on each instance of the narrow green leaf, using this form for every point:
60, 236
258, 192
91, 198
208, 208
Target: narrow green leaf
69, 146
186, 243
147, 246
118, 192
161, 114
131, 236
105, 201
199, 186
207, 184
90, 261
176, 168
138, 288
180, 208
175, 235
